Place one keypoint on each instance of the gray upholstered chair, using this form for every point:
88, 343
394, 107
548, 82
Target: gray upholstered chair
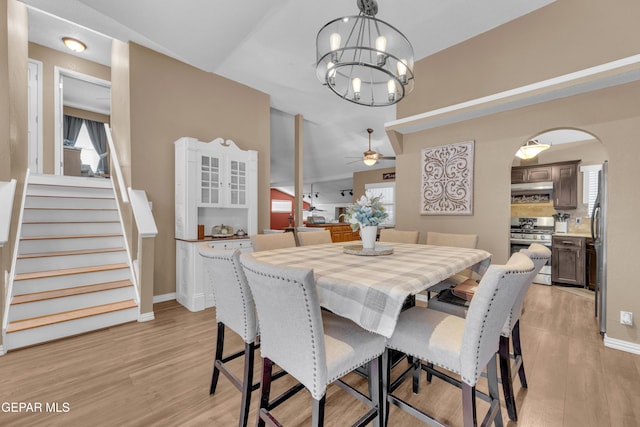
306, 238
234, 310
464, 347
539, 254
399, 236
265, 242
315, 347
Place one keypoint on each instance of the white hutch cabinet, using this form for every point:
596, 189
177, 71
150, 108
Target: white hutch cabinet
215, 183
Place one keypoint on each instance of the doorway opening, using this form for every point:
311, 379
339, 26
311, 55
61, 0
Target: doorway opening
88, 99
564, 187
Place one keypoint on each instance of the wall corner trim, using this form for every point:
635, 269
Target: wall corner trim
164, 297
146, 317
617, 344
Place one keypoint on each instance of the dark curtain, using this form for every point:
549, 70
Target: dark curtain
72, 126
99, 141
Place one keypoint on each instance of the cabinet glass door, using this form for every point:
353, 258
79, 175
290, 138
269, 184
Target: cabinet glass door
238, 183
209, 180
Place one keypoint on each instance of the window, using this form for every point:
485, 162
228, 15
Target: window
388, 192
590, 185
88, 155
281, 206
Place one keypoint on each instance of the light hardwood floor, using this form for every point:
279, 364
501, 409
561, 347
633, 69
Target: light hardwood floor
158, 373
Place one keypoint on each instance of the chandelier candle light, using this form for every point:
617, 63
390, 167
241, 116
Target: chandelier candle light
366, 214
363, 59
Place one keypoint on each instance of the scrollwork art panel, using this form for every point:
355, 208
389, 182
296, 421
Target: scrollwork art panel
447, 179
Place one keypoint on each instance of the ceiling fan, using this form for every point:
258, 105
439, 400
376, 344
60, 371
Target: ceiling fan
371, 157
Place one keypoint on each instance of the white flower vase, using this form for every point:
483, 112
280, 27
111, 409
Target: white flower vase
368, 236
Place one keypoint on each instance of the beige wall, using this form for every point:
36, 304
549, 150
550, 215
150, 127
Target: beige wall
169, 100
13, 114
50, 59
368, 177
527, 50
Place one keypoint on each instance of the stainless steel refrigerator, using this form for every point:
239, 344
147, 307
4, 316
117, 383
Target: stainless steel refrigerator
599, 235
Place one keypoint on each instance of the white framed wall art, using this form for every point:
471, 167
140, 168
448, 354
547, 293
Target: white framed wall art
447, 179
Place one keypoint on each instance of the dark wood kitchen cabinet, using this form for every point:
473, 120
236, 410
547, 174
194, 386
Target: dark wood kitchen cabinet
523, 174
568, 260
564, 176
565, 185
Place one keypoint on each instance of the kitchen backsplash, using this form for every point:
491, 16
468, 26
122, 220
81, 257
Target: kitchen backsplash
547, 209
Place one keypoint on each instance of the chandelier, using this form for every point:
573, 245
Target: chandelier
531, 149
363, 59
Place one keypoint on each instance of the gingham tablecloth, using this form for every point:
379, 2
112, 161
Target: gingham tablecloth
370, 290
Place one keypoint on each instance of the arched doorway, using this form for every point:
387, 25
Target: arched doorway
567, 172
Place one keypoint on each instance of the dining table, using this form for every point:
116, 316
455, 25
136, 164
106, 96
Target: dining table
370, 289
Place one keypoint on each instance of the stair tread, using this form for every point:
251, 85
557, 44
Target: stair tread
73, 196
73, 182
72, 222
67, 208
69, 271
34, 322
60, 293
74, 236
66, 253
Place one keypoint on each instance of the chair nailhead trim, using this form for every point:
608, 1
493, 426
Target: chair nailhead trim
306, 301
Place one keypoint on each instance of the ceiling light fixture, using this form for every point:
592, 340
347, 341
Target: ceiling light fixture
365, 60
74, 44
531, 149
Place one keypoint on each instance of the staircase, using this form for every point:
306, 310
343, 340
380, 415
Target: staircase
72, 270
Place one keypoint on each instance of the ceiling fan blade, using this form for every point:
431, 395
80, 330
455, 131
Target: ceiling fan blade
387, 158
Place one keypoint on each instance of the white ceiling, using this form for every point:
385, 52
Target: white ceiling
270, 46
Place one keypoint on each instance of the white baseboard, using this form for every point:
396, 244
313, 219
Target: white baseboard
617, 344
164, 297
146, 317
2, 352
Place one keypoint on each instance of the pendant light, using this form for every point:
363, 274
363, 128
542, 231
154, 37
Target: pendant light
531, 149
363, 59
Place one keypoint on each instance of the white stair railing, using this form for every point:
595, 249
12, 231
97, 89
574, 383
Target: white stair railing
147, 231
7, 193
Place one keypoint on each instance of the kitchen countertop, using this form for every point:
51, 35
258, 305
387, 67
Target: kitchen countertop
574, 234
211, 238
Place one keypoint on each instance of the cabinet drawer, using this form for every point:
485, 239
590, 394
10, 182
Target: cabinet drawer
231, 244
570, 242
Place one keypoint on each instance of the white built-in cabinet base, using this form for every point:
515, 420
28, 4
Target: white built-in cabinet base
193, 288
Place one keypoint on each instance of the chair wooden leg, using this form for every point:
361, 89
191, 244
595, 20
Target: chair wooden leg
492, 380
469, 405
416, 374
219, 348
376, 384
317, 413
265, 389
385, 382
507, 381
247, 383
517, 351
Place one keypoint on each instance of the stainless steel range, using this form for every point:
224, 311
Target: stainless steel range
527, 230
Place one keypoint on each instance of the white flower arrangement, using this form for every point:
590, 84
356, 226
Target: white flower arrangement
367, 211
